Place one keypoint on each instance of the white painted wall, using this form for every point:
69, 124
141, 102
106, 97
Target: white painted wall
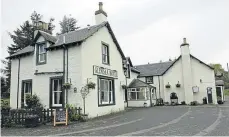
200, 71
13, 84
92, 46
172, 76
138, 103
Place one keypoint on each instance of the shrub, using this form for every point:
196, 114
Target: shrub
183, 103
7, 121
31, 120
193, 103
33, 102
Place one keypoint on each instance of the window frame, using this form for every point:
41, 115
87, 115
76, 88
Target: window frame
51, 94
23, 94
38, 54
107, 54
111, 94
148, 78
136, 91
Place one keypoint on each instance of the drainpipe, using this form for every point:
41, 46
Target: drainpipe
127, 93
18, 79
159, 88
63, 65
67, 77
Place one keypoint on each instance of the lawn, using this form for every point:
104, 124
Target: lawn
226, 92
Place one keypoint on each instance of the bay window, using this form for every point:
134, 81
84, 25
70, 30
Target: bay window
138, 94
106, 91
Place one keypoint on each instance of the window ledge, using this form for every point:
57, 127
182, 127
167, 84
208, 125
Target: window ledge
102, 105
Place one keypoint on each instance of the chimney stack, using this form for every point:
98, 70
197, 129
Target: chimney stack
100, 15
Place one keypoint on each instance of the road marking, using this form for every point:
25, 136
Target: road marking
99, 128
212, 126
159, 126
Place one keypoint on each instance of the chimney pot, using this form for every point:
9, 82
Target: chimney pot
100, 6
184, 40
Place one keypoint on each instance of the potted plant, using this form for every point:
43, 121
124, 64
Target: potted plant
167, 85
67, 85
31, 120
124, 86
91, 85
178, 85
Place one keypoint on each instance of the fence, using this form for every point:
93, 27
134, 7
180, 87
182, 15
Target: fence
17, 117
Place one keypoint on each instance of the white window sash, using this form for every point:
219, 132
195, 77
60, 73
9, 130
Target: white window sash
40, 53
108, 92
53, 93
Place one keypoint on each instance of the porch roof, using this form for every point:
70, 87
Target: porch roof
135, 83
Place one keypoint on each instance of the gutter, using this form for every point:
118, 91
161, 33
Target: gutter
18, 79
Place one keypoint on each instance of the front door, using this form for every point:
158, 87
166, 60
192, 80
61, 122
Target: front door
218, 93
209, 93
57, 93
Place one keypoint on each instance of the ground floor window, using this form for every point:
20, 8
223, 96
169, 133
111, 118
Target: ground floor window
138, 94
26, 90
57, 95
106, 91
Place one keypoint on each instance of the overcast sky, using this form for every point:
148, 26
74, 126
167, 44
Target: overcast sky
147, 30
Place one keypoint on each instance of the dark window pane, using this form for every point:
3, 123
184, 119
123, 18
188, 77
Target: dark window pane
55, 85
133, 95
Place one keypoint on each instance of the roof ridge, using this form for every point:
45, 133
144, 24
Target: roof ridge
81, 29
153, 63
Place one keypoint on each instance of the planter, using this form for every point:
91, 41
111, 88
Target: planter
220, 102
31, 121
177, 85
124, 86
67, 85
167, 86
91, 85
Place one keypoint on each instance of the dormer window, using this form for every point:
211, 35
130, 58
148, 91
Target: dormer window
41, 53
149, 80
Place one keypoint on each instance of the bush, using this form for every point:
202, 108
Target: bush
183, 103
31, 120
193, 103
33, 102
220, 102
7, 121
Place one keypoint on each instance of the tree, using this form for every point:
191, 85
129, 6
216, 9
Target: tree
68, 24
22, 37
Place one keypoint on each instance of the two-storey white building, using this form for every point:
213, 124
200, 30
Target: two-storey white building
93, 54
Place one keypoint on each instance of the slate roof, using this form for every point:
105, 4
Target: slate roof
28, 49
78, 35
134, 70
135, 83
155, 69
219, 82
72, 37
48, 36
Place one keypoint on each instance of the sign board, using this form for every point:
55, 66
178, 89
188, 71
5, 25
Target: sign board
61, 116
104, 72
195, 89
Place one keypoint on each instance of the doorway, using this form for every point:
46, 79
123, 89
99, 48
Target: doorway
173, 98
209, 95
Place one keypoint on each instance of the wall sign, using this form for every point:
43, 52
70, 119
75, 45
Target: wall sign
61, 116
195, 89
104, 72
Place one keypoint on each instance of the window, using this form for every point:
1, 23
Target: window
138, 94
149, 79
105, 54
41, 53
106, 91
57, 94
26, 90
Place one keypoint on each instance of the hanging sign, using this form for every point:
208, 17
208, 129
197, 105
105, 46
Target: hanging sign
61, 116
104, 72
